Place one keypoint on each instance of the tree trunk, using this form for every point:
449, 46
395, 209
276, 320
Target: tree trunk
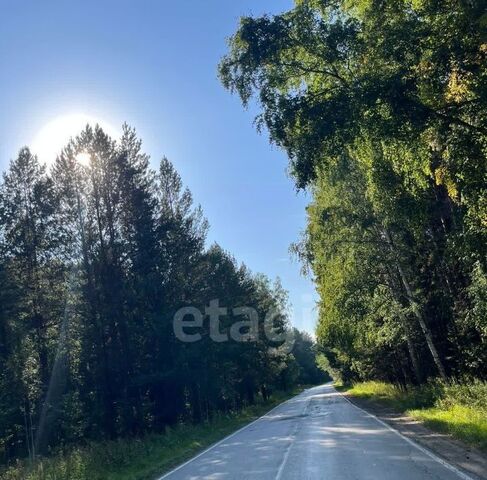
391, 282
417, 313
414, 359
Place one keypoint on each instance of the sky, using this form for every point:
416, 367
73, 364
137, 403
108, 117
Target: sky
153, 64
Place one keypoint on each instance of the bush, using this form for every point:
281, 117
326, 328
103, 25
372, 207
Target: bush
471, 393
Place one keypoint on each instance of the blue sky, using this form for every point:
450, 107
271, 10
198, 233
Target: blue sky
153, 64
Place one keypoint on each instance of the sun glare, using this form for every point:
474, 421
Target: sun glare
83, 158
51, 139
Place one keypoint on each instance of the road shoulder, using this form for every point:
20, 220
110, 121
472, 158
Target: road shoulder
455, 452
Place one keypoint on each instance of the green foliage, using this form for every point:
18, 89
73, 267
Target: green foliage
310, 370
472, 322
95, 260
458, 408
401, 399
138, 458
381, 108
466, 423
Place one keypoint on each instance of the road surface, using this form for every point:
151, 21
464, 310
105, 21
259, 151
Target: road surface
316, 435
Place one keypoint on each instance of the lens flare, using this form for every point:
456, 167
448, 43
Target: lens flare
53, 136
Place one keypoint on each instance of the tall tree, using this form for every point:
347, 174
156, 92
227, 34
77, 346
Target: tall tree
398, 90
30, 255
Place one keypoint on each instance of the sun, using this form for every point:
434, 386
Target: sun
53, 136
83, 158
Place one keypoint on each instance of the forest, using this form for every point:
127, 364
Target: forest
97, 254
381, 107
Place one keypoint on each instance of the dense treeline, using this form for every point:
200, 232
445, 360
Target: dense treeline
95, 259
381, 106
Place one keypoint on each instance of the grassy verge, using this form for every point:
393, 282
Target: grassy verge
459, 409
139, 459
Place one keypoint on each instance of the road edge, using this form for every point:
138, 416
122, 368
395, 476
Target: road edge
214, 445
447, 463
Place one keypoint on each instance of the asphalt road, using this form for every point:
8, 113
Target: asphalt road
316, 435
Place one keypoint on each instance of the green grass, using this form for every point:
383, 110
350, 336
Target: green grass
459, 409
138, 459
464, 423
392, 396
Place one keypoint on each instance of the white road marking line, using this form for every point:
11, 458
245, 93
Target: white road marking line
166, 475
427, 452
291, 443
